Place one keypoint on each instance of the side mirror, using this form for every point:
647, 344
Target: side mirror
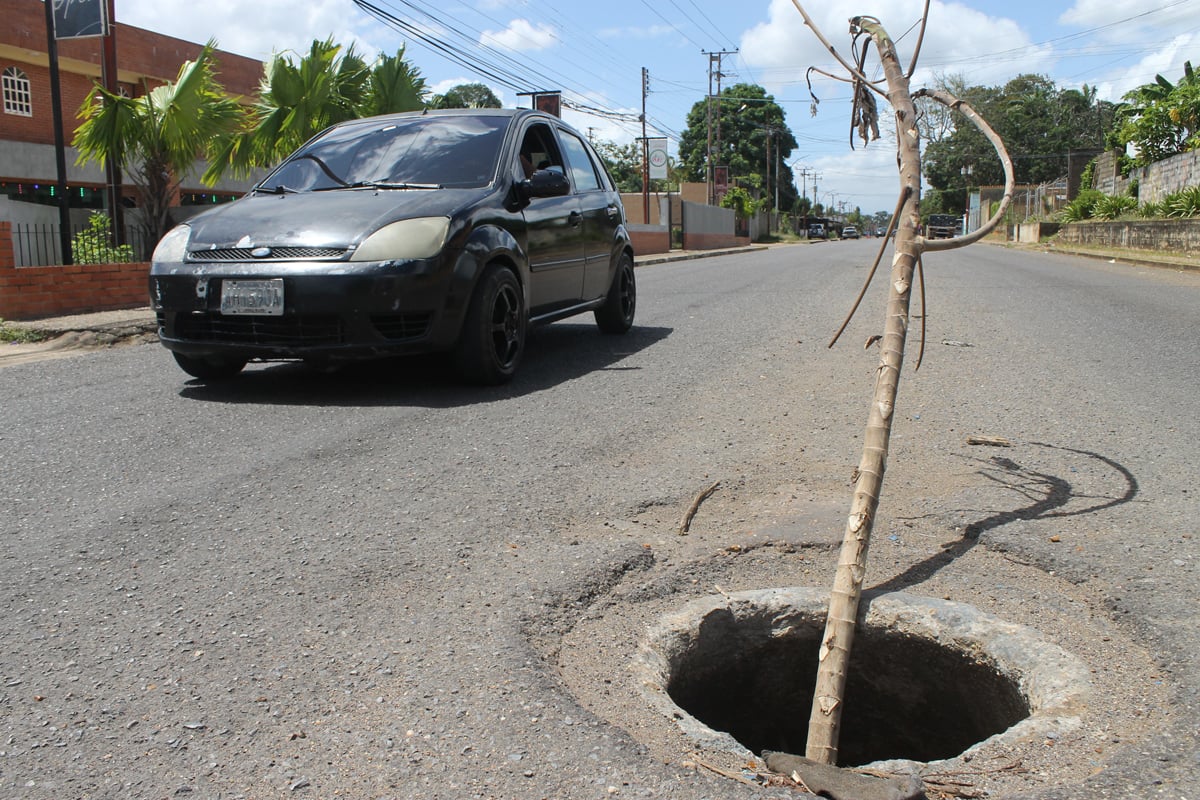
546, 183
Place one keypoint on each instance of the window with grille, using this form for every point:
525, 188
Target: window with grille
18, 99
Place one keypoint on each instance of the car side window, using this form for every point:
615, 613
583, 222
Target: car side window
582, 170
539, 150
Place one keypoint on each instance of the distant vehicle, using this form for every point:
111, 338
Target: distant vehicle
849, 232
817, 231
426, 232
941, 226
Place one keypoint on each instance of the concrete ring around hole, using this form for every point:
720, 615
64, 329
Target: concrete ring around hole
929, 680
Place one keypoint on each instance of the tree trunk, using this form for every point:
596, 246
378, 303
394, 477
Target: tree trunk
825, 720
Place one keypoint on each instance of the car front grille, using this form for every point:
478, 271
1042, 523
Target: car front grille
277, 254
401, 326
287, 331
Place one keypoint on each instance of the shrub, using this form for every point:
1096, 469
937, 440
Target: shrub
93, 244
1150, 210
1113, 206
1081, 207
1185, 203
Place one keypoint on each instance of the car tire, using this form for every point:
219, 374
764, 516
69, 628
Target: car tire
210, 369
616, 315
492, 340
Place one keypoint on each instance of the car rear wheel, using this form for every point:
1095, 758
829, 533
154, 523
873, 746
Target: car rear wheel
493, 335
211, 368
616, 315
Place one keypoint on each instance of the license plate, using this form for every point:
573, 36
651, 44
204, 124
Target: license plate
261, 298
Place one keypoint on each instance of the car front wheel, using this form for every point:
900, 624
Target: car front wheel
616, 315
493, 335
210, 369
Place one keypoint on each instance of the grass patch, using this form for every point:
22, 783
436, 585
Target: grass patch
12, 334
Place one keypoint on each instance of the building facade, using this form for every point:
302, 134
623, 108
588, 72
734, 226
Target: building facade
145, 59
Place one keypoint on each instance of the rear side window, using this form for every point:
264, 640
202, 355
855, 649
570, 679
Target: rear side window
583, 171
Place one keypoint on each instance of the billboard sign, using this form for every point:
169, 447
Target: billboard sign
657, 148
77, 19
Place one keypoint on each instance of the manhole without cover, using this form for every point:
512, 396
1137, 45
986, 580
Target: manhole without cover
928, 680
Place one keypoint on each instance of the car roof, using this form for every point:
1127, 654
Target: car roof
454, 112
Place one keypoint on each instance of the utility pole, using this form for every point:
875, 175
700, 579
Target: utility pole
108, 77
714, 58
64, 202
645, 151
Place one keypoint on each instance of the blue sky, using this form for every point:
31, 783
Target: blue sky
594, 52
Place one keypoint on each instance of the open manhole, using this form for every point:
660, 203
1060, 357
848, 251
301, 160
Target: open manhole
928, 679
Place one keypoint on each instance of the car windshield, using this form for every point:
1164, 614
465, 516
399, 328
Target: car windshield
416, 153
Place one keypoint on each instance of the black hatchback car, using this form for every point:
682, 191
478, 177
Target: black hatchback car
437, 231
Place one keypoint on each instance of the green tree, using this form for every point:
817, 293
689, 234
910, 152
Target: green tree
1162, 119
154, 138
466, 95
747, 117
624, 162
744, 206
299, 99
1040, 123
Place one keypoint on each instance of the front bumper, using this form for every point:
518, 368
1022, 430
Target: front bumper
335, 314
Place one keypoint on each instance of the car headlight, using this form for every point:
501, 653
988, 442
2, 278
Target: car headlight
173, 246
422, 237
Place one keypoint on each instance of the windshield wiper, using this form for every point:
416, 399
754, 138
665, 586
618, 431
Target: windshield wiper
277, 189
388, 185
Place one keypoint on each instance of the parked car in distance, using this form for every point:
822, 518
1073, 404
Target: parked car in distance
435, 231
850, 232
816, 230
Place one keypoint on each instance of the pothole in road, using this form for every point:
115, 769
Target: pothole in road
928, 679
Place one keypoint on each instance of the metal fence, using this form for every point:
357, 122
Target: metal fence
1041, 202
39, 244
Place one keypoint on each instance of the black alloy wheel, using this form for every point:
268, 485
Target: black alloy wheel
616, 315
493, 335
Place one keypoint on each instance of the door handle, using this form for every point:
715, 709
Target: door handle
575, 219
612, 212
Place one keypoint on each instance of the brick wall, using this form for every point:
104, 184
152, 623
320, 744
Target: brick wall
36, 292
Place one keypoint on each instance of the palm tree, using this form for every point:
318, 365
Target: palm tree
298, 100
156, 137
394, 85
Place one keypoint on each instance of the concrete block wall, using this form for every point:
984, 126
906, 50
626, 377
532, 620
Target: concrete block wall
1166, 235
1155, 181
707, 227
37, 292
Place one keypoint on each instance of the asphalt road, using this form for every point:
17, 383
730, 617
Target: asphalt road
381, 584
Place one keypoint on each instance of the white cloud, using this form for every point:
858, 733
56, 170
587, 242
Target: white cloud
278, 25
984, 48
521, 35
1131, 15
1167, 62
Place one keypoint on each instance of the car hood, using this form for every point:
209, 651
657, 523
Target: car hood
337, 219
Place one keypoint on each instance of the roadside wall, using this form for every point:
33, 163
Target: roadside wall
34, 292
1166, 235
649, 239
1154, 182
707, 227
